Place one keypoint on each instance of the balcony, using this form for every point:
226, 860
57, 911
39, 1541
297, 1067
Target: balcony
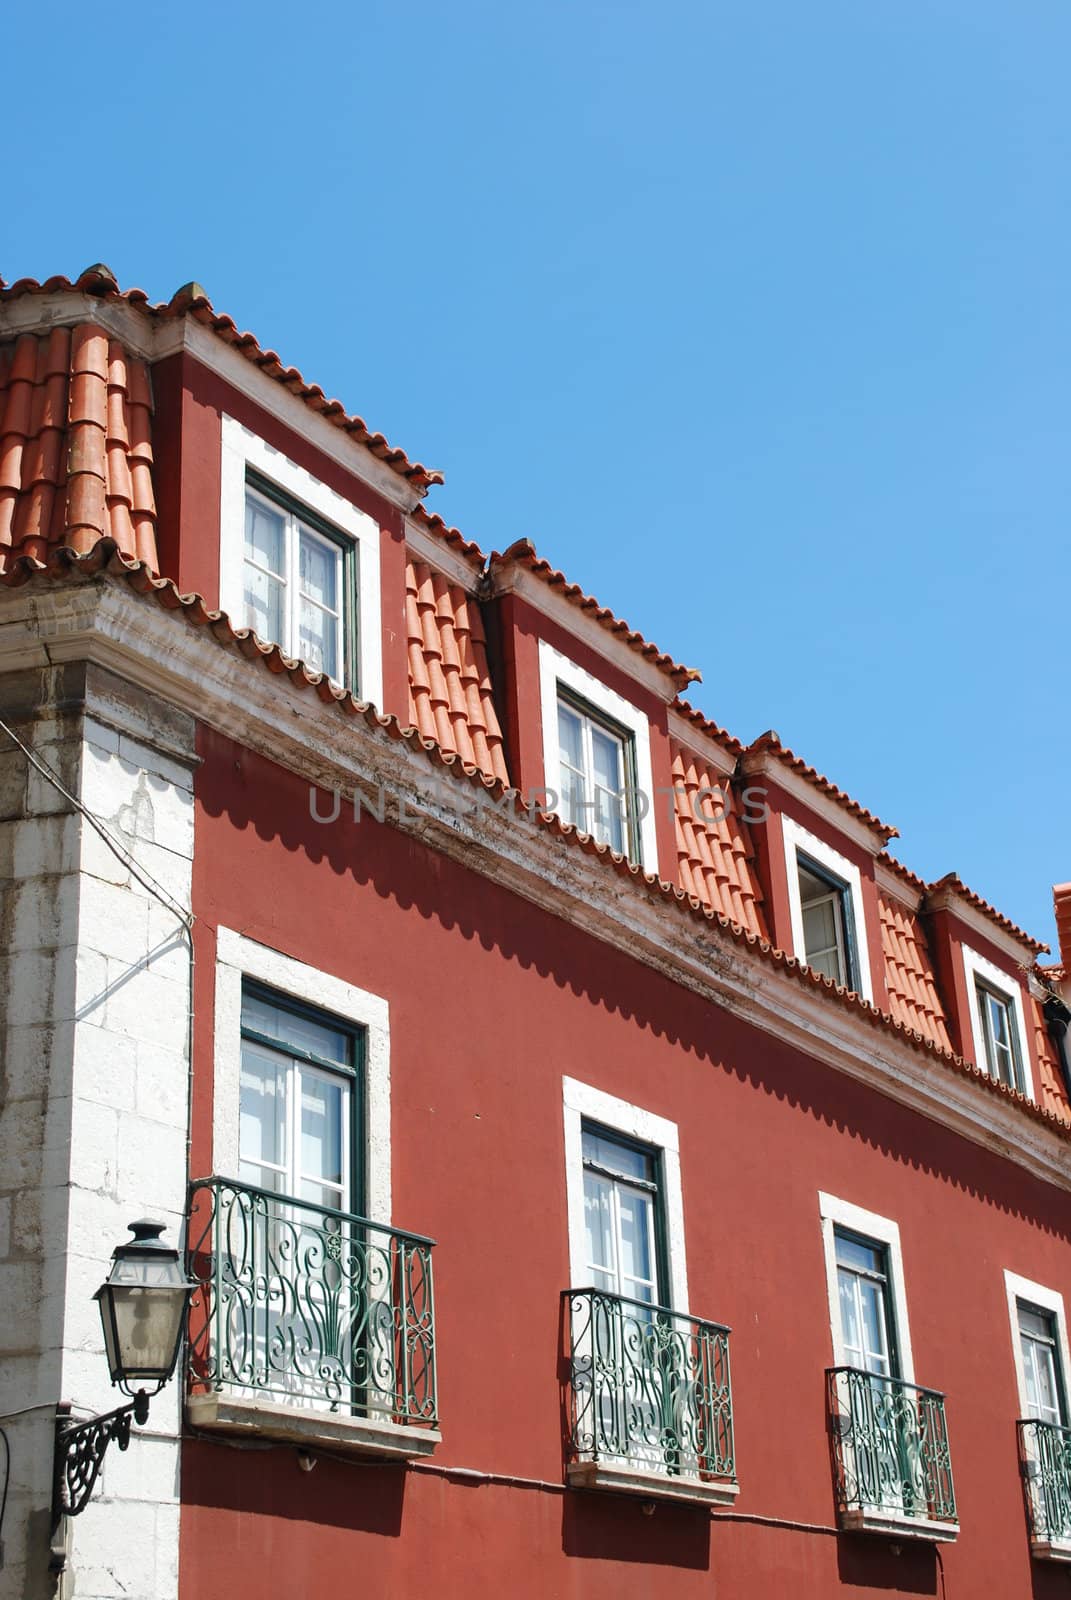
1045, 1462
649, 1406
309, 1325
891, 1464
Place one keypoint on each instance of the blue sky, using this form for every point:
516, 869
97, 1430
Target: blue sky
753, 316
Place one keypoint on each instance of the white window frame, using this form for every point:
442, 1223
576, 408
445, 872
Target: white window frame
798, 841
836, 1214
977, 967
556, 670
238, 957
1050, 1300
240, 450
581, 1103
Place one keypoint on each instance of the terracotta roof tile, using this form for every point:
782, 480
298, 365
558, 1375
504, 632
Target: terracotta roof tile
957, 886
450, 693
191, 300
770, 743
715, 857
451, 536
523, 554
1052, 1092
913, 997
75, 445
107, 562
713, 730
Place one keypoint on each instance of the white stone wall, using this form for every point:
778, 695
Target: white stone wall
93, 1101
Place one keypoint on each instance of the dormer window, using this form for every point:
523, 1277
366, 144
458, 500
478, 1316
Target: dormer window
825, 897
998, 1023
596, 761
1000, 1035
299, 563
828, 923
297, 575
597, 758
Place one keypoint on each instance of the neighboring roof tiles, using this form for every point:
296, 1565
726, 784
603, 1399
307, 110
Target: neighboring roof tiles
450, 695
1051, 1090
715, 856
769, 743
191, 300
955, 885
75, 445
909, 977
434, 524
523, 554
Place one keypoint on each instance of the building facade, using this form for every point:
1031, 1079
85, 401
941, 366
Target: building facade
605, 1169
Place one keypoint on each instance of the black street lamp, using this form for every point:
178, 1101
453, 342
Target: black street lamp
143, 1304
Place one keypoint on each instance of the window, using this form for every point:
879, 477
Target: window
998, 1024
622, 1210
865, 1310
597, 758
891, 1459
649, 1399
597, 786
297, 1103
1038, 1341
828, 923
1000, 1034
297, 577
1042, 1363
299, 563
825, 897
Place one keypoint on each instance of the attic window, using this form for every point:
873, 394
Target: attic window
828, 923
299, 563
597, 786
1000, 1034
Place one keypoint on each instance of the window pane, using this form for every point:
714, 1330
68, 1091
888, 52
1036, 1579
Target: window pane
320, 564
318, 640
265, 535
872, 1299
851, 1330
859, 1254
570, 737
299, 1032
606, 759
819, 928
262, 598
262, 1107
625, 1159
637, 1265
323, 1118
599, 1224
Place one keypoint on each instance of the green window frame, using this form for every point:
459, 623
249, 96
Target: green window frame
1004, 1060
299, 516
838, 895
344, 1069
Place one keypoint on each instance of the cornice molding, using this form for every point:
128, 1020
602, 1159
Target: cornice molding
568, 616
950, 899
767, 764
133, 637
438, 554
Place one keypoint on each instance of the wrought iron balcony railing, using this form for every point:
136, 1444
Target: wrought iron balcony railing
313, 1307
889, 1440
649, 1389
1045, 1461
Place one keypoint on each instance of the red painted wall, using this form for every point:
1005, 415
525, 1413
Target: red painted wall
492, 1001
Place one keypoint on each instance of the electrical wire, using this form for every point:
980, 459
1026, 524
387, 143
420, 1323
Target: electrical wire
116, 846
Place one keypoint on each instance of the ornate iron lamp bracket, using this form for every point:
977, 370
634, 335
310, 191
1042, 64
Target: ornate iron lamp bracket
80, 1449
